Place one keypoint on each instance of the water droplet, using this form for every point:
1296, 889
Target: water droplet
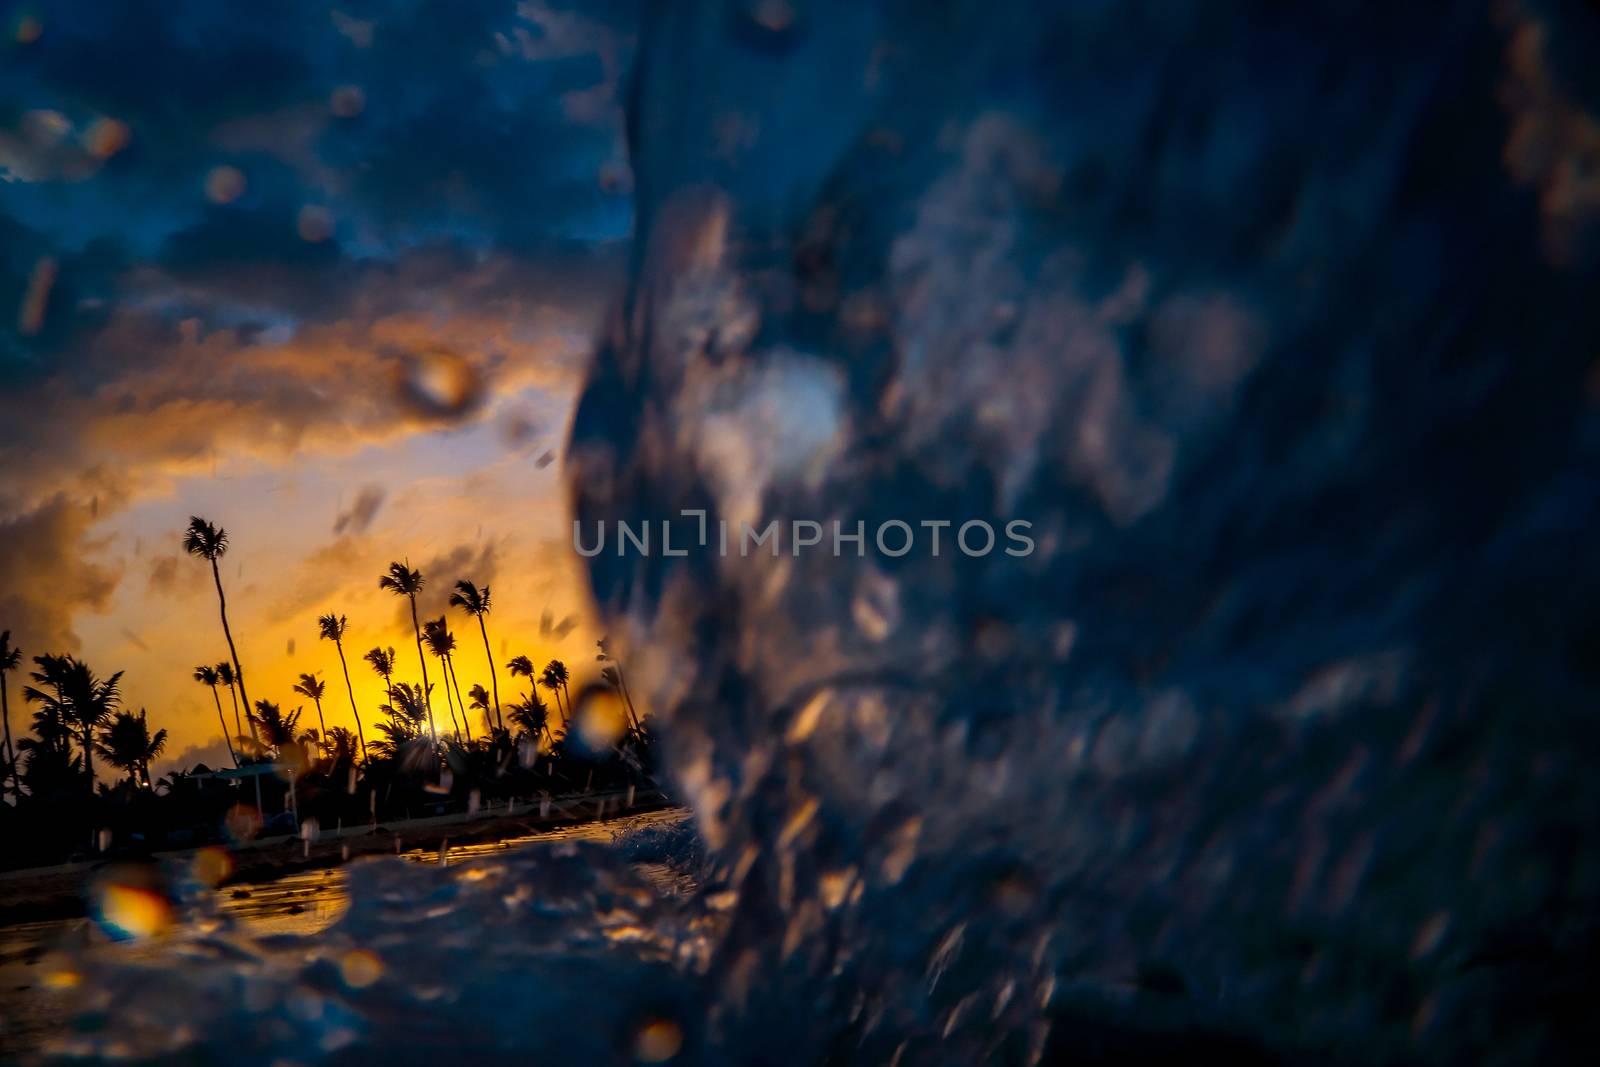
659, 1040
224, 184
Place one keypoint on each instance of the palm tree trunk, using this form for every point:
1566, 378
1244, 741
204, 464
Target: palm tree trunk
455, 680
622, 683
11, 753
238, 723
224, 724
444, 665
494, 678
322, 738
88, 758
427, 700
238, 671
348, 688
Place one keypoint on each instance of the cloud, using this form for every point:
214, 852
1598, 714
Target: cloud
46, 577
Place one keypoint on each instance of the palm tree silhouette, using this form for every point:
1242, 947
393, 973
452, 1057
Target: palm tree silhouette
332, 628
382, 661
480, 702
277, 726
308, 685
78, 697
619, 681
531, 715
341, 744
210, 543
128, 744
225, 676
442, 643
10, 657
207, 676
551, 680
558, 670
402, 741
475, 602
401, 580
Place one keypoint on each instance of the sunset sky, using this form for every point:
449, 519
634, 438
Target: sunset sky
325, 276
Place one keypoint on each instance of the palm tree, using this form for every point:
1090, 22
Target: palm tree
382, 661
480, 702
225, 676
78, 698
531, 715
128, 744
475, 602
402, 740
552, 681
558, 670
332, 628
277, 727
442, 643
341, 745
308, 685
207, 676
620, 682
10, 657
401, 580
210, 543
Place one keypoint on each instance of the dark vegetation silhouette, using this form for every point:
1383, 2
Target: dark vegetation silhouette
78, 784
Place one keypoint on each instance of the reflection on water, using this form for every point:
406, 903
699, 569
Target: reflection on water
41, 963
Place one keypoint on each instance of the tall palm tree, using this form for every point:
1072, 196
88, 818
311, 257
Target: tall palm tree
310, 686
332, 628
558, 670
442, 643
621, 681
382, 661
475, 602
225, 676
210, 542
9, 658
552, 681
81, 700
207, 676
401, 580
127, 744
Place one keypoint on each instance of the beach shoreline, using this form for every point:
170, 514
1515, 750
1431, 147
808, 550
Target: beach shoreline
52, 893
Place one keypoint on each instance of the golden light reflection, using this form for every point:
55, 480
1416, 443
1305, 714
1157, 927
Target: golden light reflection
360, 968
601, 718
659, 1040
212, 865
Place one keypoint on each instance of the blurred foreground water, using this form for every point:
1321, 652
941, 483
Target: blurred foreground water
1278, 324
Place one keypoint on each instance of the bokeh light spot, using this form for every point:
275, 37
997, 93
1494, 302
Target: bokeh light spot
360, 968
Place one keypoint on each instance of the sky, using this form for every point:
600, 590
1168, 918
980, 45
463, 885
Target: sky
324, 275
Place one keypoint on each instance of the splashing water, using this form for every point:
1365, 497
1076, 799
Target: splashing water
1278, 747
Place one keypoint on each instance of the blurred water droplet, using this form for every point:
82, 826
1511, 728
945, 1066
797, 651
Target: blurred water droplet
212, 865
314, 224
224, 184
36, 299
131, 902
600, 718
347, 101
658, 1041
29, 29
106, 137
439, 383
